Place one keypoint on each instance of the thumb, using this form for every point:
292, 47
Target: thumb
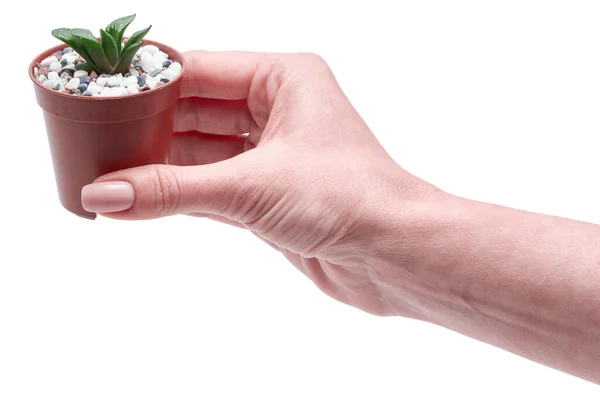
155, 191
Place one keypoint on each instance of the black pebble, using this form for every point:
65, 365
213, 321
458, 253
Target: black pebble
60, 52
68, 71
155, 72
83, 87
165, 80
63, 62
141, 81
167, 63
84, 79
87, 93
67, 50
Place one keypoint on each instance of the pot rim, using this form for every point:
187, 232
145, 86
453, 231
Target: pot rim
146, 42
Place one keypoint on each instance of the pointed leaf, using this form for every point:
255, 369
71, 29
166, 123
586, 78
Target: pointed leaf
125, 60
110, 47
136, 37
92, 48
65, 35
117, 28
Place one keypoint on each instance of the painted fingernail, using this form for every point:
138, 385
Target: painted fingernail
106, 197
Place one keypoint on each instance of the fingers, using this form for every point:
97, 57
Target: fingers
224, 117
195, 148
221, 75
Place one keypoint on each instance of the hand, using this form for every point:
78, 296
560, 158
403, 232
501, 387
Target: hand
309, 178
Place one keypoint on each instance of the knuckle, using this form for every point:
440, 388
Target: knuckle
312, 58
166, 190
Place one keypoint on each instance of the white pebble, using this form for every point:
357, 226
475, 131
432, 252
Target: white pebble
134, 72
79, 74
41, 78
158, 60
169, 74
114, 81
47, 61
53, 76
36, 72
114, 91
102, 81
50, 84
147, 62
70, 57
152, 82
120, 91
72, 84
175, 67
55, 66
149, 49
133, 89
94, 88
132, 80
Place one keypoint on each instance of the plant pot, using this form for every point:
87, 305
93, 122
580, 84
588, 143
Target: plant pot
92, 136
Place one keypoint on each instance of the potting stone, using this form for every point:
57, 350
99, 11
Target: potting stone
72, 84
150, 69
114, 81
55, 66
102, 81
147, 62
47, 61
50, 84
149, 49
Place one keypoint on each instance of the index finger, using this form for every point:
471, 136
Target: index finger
221, 75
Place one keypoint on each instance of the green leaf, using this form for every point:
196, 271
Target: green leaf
65, 35
83, 66
125, 60
117, 28
92, 48
110, 47
136, 37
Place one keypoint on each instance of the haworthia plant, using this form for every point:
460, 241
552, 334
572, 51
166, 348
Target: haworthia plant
107, 55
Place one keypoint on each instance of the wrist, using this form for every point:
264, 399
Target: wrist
412, 255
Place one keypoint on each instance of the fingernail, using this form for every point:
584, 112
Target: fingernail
106, 197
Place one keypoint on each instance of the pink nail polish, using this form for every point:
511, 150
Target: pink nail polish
106, 197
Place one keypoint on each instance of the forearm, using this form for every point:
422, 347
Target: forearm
525, 282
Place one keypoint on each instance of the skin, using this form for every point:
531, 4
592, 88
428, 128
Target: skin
311, 179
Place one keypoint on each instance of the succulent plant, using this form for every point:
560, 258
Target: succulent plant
107, 55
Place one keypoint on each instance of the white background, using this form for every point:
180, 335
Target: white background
496, 101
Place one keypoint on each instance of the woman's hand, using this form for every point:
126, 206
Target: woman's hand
309, 178
312, 180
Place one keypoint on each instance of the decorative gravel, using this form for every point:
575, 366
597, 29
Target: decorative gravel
149, 69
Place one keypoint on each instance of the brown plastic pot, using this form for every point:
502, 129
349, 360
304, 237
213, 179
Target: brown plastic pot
92, 136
